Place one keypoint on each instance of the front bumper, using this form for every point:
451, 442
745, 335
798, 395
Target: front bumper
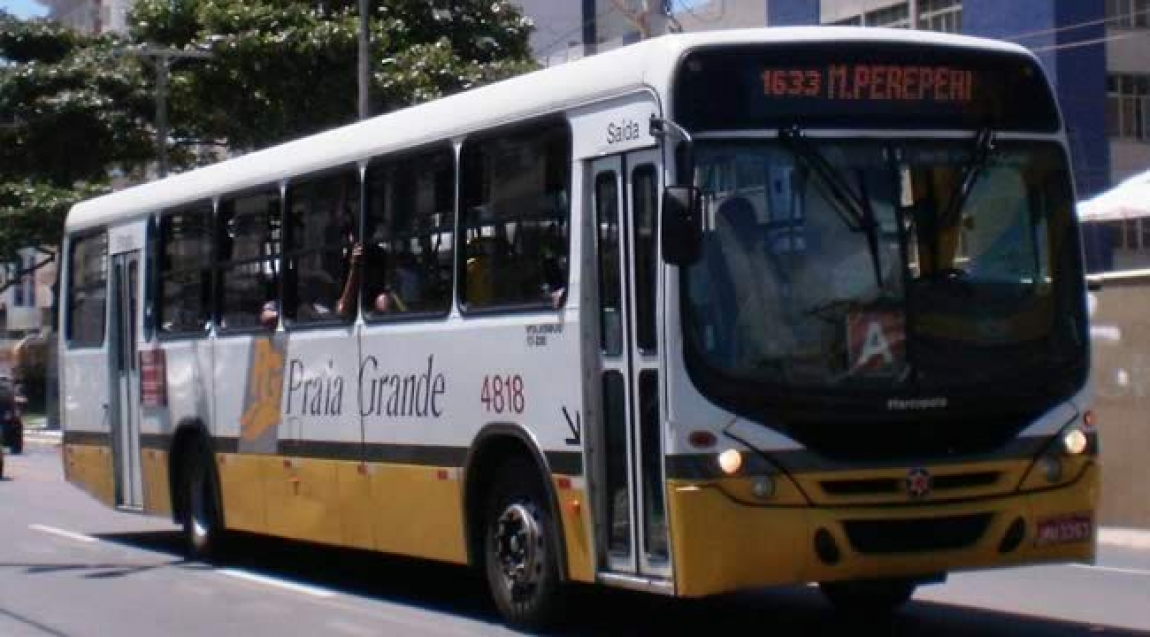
723, 545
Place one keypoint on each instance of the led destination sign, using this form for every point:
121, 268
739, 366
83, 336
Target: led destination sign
908, 83
848, 85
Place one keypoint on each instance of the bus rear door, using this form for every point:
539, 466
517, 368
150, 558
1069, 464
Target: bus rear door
124, 410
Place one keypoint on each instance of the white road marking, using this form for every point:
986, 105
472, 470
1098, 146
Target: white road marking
313, 591
79, 537
1112, 569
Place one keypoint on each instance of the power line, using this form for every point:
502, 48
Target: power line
685, 7
1079, 25
1081, 43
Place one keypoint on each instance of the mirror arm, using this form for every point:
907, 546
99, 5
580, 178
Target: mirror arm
661, 128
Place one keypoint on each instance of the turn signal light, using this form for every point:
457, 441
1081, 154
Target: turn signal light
1090, 420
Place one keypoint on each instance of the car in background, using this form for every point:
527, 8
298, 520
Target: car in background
11, 423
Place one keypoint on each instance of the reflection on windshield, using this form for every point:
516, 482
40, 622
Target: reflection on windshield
866, 273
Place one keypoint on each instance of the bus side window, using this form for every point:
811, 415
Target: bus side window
87, 291
410, 233
515, 187
323, 223
248, 262
185, 261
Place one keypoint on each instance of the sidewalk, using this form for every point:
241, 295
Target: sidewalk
36, 430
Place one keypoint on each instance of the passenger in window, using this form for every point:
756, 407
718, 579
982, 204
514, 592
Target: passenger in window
381, 287
552, 250
269, 315
481, 262
761, 334
408, 279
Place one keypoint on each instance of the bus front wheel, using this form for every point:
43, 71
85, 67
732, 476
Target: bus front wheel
520, 548
869, 597
202, 522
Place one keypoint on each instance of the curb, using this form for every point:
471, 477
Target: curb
43, 436
1124, 538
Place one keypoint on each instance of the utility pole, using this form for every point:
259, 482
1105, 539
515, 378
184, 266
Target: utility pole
162, 59
364, 62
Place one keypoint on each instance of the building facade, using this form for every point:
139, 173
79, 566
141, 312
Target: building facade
25, 304
90, 16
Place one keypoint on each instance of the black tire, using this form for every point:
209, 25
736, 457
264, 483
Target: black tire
204, 532
521, 548
869, 598
17, 444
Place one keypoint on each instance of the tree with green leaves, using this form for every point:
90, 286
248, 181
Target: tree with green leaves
281, 69
77, 111
71, 111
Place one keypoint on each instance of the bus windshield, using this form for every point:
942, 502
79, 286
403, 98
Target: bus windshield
885, 266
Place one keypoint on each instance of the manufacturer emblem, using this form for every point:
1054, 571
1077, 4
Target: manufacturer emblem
918, 483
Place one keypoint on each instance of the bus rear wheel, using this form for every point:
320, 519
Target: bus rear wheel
202, 523
520, 549
869, 598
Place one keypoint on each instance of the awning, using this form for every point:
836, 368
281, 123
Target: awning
1128, 200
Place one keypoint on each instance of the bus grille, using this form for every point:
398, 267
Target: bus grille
884, 537
893, 486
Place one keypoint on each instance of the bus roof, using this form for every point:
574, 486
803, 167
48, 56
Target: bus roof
648, 64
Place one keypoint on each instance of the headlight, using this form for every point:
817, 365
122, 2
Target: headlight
1075, 442
730, 461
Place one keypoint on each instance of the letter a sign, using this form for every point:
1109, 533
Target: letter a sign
877, 343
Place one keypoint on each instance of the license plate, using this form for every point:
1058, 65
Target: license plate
1065, 529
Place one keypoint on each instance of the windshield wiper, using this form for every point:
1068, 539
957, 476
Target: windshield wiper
853, 209
971, 171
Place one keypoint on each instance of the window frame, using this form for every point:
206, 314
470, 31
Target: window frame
375, 318
70, 315
556, 120
157, 284
290, 276
219, 267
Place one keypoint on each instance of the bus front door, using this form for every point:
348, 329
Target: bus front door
124, 412
629, 473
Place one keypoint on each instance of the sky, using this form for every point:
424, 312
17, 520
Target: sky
23, 8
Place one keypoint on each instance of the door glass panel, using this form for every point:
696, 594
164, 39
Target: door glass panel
643, 206
618, 505
133, 303
654, 513
610, 314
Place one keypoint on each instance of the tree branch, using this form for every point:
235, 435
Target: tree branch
640, 18
23, 272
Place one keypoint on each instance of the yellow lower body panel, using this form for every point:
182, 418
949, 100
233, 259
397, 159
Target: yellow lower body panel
417, 511
402, 509
157, 492
242, 491
721, 545
90, 468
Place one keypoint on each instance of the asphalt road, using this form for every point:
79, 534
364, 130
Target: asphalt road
69, 566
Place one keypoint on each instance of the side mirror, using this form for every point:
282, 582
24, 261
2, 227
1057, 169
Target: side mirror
682, 236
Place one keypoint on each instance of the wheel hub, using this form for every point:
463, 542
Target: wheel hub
518, 544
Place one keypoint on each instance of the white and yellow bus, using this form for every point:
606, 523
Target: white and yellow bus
706, 313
